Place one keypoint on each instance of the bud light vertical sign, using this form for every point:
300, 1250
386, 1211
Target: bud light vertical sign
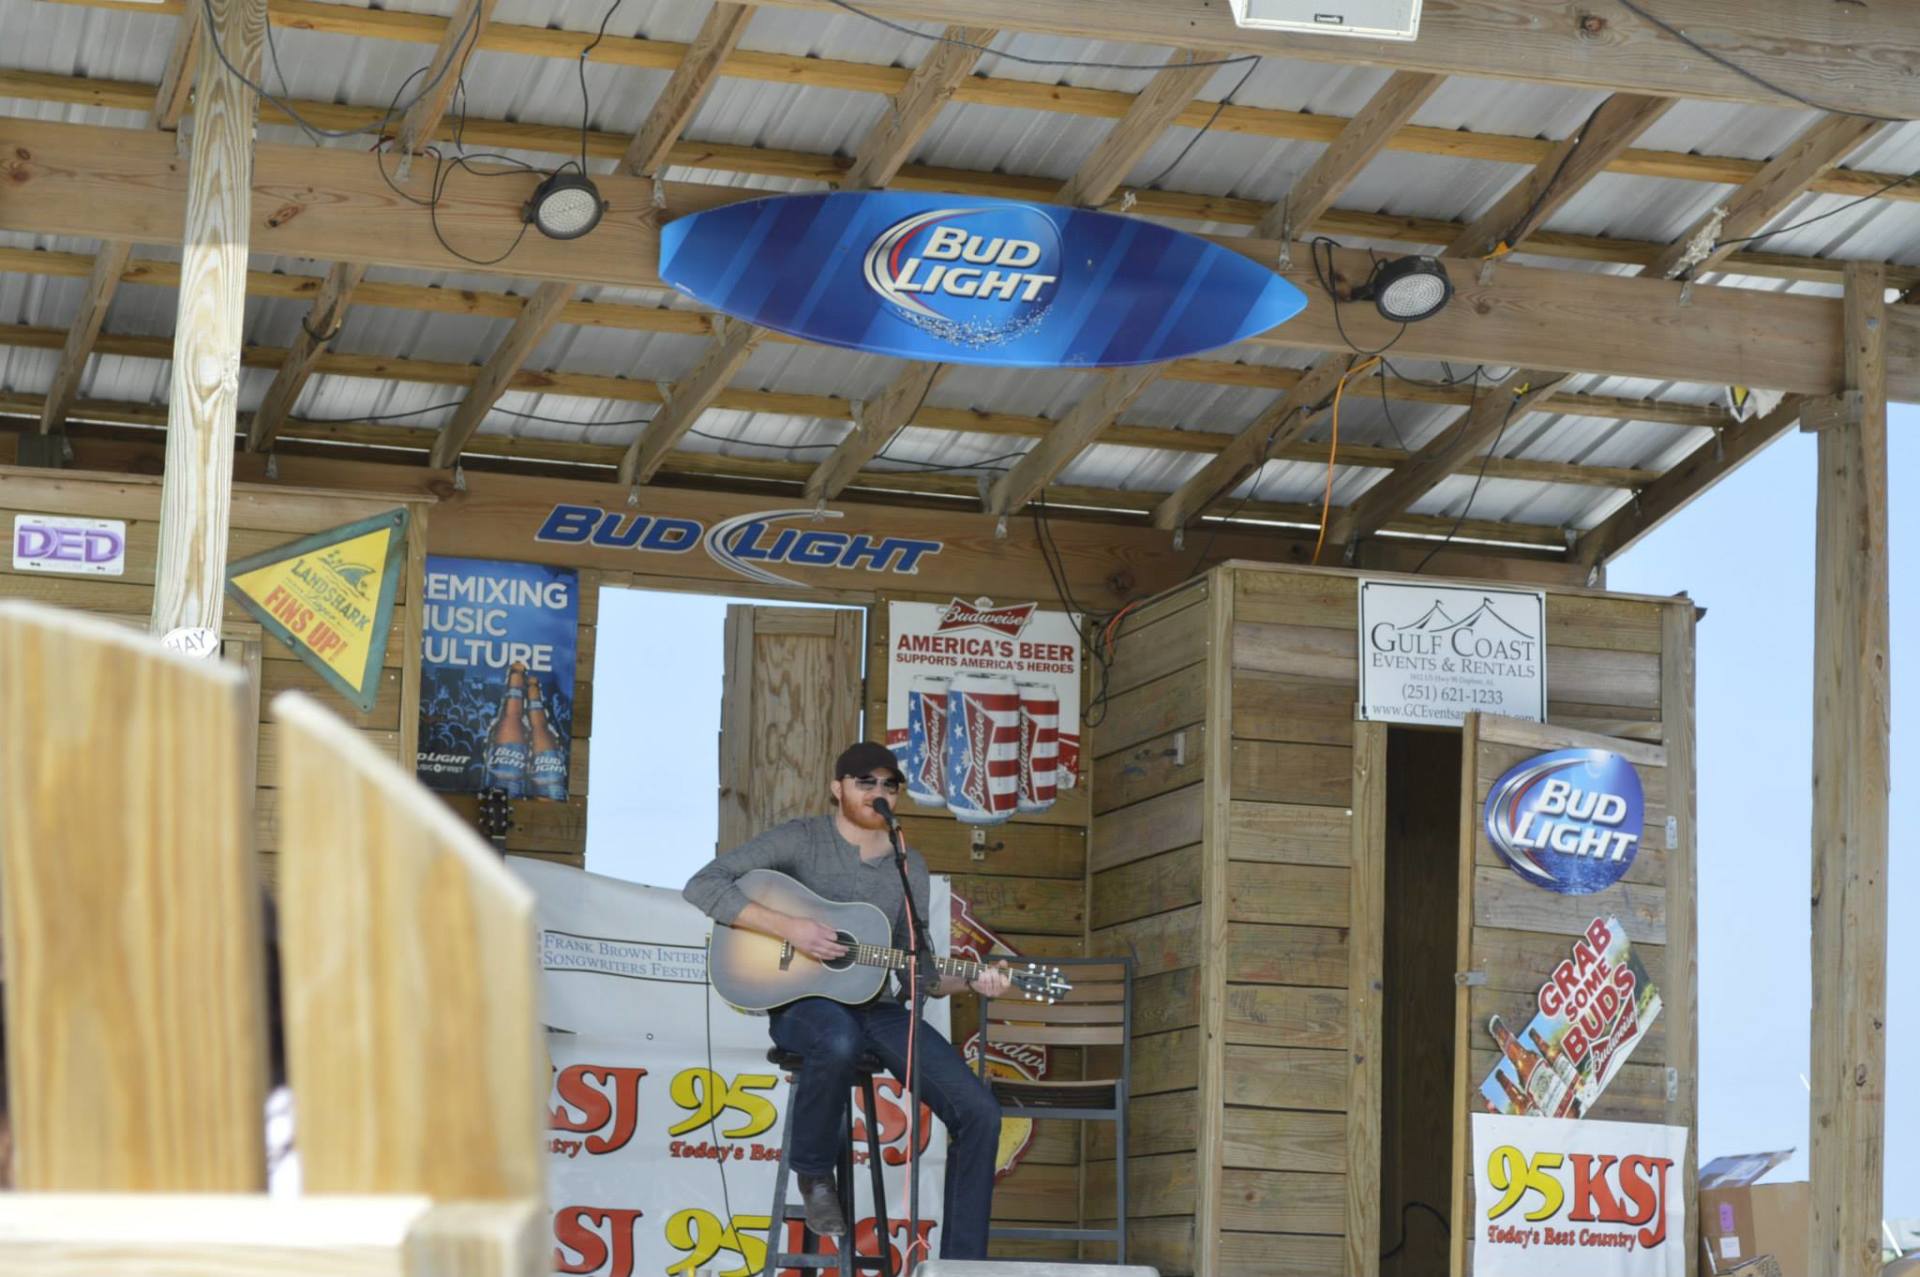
496, 677
1569, 821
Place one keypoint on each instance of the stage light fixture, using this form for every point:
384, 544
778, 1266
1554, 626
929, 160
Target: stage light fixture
1407, 289
565, 206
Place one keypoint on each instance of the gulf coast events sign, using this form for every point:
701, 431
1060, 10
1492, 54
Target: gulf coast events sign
1432, 654
664, 1117
964, 279
1578, 1199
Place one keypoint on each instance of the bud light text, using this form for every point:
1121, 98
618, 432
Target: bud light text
1569, 821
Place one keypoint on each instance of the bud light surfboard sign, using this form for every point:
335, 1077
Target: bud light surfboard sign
961, 279
1569, 821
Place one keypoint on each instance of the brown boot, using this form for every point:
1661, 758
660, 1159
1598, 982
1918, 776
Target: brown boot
822, 1202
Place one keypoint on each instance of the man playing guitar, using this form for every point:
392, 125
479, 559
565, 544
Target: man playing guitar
845, 855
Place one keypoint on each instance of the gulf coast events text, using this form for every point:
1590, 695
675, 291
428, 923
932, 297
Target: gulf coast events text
466, 622
1012, 654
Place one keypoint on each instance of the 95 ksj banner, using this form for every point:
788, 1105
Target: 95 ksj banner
665, 1118
1578, 1199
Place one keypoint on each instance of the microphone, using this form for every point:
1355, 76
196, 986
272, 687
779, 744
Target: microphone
885, 809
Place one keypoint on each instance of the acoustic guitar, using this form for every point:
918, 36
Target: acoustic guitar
757, 972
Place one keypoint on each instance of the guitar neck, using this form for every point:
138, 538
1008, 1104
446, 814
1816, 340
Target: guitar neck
872, 955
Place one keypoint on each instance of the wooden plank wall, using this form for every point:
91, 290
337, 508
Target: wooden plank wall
1144, 885
262, 520
1030, 889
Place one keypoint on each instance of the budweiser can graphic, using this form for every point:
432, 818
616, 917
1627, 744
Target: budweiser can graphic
925, 753
1039, 745
983, 747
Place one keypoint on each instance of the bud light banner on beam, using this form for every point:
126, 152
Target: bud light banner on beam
983, 705
1578, 1199
496, 677
959, 279
1569, 821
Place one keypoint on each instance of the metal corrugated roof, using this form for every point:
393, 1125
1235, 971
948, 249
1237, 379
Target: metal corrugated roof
71, 39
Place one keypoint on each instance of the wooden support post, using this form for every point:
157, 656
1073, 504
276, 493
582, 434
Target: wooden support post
1157, 106
322, 321
686, 88
190, 573
176, 81
733, 342
1850, 787
1366, 981
101, 286
912, 110
1680, 991
872, 428
1118, 388
537, 319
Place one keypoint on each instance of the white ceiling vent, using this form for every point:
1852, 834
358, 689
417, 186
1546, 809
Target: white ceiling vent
1372, 19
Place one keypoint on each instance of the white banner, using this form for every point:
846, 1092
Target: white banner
665, 1116
1578, 1199
1433, 654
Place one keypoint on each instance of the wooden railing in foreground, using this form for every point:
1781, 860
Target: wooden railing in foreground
137, 1037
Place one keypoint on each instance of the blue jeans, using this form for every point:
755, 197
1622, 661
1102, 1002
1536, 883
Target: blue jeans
832, 1037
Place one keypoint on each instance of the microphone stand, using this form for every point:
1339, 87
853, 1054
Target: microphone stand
923, 958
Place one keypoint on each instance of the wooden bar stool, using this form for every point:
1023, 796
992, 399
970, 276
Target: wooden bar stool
849, 1261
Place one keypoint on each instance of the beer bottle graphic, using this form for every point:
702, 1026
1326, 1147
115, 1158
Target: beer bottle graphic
507, 742
1563, 1069
1518, 1102
1542, 1086
549, 755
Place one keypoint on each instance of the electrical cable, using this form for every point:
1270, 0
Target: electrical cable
903, 29
1756, 78
1402, 1243
586, 101
1328, 279
1333, 451
1387, 411
1194, 141
1519, 224
1834, 212
1512, 403
212, 30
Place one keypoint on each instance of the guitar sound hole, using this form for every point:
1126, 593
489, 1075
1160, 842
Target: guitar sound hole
845, 960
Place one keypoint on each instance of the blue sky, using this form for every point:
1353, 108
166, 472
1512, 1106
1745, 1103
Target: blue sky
1744, 552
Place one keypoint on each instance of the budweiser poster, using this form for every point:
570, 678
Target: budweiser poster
1578, 1199
664, 1117
1589, 1016
496, 677
983, 705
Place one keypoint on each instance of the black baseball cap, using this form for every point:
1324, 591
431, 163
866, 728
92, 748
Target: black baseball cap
864, 759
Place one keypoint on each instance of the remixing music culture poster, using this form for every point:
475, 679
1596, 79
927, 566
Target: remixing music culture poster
496, 677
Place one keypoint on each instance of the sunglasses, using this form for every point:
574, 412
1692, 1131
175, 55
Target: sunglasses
866, 783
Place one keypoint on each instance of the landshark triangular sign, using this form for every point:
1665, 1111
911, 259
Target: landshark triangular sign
329, 597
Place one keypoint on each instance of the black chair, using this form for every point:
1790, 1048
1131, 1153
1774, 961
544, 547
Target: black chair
848, 1260
1099, 1012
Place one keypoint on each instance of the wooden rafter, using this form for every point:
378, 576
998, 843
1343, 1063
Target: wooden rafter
864, 77
778, 403
1862, 64
911, 112
1578, 159
638, 318
1457, 445
442, 77
768, 162
690, 396
317, 329
1363, 138
1117, 389
176, 81
1516, 215
115, 183
1711, 239
537, 319
101, 284
1276, 428
872, 427
686, 88
1698, 472
1150, 115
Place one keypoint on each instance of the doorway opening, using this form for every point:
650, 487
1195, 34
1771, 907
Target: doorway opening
660, 699
1417, 1032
